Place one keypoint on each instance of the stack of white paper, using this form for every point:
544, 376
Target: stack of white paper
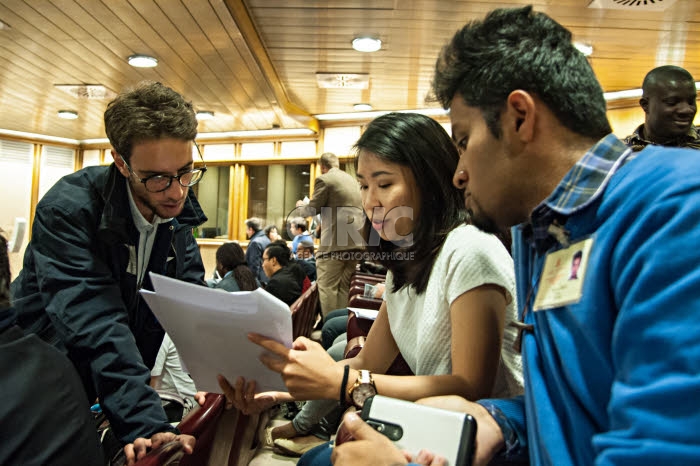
209, 328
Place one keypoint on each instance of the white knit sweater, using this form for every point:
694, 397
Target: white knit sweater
421, 324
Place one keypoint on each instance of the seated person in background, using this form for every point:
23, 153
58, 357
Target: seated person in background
45, 414
174, 386
336, 322
231, 266
285, 279
306, 258
272, 233
299, 229
669, 104
449, 293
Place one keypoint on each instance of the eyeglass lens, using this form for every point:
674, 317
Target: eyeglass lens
162, 182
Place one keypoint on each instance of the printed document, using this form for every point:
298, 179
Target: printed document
209, 328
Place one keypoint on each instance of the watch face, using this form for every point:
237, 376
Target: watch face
361, 393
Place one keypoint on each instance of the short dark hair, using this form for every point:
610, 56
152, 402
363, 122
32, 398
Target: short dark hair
515, 49
255, 223
300, 222
662, 74
280, 251
145, 112
421, 144
231, 257
268, 229
577, 255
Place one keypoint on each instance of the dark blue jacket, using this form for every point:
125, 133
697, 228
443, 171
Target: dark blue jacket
254, 252
75, 290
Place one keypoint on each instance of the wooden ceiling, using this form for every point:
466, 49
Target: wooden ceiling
254, 62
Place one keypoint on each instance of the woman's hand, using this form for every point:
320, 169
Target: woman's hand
308, 371
242, 396
200, 398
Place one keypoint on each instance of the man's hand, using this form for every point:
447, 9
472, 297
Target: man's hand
141, 446
371, 447
489, 438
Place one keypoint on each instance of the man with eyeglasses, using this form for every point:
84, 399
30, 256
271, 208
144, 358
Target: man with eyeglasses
96, 235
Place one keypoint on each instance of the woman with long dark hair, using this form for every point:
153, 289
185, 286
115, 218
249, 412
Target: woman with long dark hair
449, 289
231, 265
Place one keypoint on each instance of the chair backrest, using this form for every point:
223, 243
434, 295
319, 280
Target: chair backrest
364, 303
304, 312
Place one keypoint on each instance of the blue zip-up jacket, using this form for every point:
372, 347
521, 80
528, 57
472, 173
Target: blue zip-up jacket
615, 377
75, 291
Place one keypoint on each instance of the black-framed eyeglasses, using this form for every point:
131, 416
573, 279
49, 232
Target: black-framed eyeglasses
159, 183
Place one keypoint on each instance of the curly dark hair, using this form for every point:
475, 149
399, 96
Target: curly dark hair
421, 144
145, 112
231, 257
521, 49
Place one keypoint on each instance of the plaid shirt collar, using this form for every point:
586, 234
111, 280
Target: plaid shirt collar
637, 141
581, 186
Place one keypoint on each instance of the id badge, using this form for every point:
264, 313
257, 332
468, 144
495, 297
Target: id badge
562, 278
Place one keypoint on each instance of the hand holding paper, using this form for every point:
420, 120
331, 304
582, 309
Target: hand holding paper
209, 328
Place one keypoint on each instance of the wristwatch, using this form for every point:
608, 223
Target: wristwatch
362, 389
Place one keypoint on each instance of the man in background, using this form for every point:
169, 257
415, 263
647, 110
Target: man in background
337, 198
669, 104
257, 242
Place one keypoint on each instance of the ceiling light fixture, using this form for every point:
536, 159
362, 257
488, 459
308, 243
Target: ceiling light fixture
204, 115
342, 80
142, 61
362, 107
87, 91
585, 49
366, 44
67, 114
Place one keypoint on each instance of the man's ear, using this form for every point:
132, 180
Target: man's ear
119, 162
644, 103
520, 115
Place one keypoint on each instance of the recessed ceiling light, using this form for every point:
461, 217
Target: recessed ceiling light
366, 44
142, 61
342, 80
585, 49
362, 107
67, 114
205, 115
87, 91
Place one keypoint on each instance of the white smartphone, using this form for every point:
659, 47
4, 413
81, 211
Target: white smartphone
413, 427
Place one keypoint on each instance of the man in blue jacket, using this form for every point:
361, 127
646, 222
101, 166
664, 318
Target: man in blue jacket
96, 236
611, 359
